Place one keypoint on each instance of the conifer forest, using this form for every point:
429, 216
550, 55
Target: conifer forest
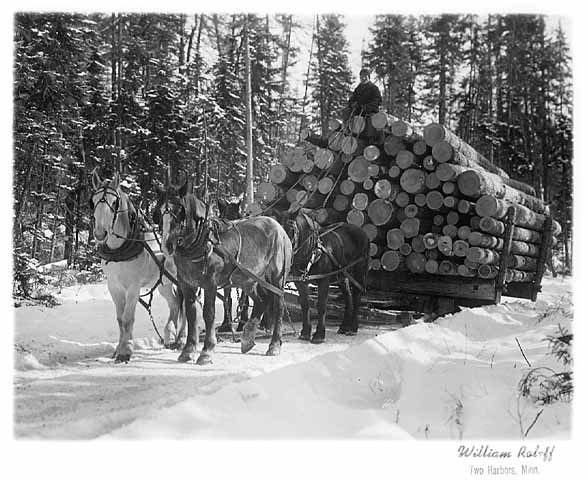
162, 96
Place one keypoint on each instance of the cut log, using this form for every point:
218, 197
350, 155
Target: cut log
349, 145
413, 180
453, 218
347, 187
383, 188
487, 271
371, 152
391, 261
357, 124
420, 200
429, 163
309, 182
463, 232
450, 202
411, 211
326, 216
405, 249
474, 184
358, 169
431, 181
341, 203
450, 231
446, 267
435, 133
392, 145
521, 262
518, 276
410, 227
355, 217
417, 244
420, 148
394, 238
373, 170
439, 220
254, 209
326, 184
323, 158
403, 130
448, 172
483, 256
406, 159
267, 192
380, 211
375, 264
460, 248
465, 271
402, 199
478, 239
336, 140
435, 200
346, 158
416, 262
371, 231
368, 184
394, 171
445, 245
430, 240
465, 206
449, 188
360, 201
431, 266
432, 254
281, 175
379, 120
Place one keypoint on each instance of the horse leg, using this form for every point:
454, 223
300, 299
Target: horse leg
189, 350
205, 357
244, 306
248, 336
227, 325
170, 331
124, 350
305, 308
118, 298
323, 293
275, 313
345, 326
353, 320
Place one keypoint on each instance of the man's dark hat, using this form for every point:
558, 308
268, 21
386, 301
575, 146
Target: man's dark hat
366, 71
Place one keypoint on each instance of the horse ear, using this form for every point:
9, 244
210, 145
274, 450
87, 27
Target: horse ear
96, 181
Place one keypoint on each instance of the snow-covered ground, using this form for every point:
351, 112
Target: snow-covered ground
453, 379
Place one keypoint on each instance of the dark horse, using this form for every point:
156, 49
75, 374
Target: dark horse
252, 254
334, 254
231, 210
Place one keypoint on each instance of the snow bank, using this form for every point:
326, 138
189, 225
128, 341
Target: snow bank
454, 379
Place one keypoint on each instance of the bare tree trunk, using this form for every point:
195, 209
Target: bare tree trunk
249, 119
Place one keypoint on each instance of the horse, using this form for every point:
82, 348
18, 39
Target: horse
322, 256
252, 254
231, 210
128, 266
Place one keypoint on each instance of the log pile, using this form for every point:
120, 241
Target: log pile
429, 203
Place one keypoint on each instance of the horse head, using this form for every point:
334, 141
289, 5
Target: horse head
229, 210
180, 216
110, 208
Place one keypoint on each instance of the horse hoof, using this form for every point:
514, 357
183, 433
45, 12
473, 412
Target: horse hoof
316, 340
246, 345
351, 333
342, 331
304, 336
186, 357
273, 351
204, 359
123, 358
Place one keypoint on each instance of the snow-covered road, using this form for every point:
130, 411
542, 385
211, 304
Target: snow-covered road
453, 379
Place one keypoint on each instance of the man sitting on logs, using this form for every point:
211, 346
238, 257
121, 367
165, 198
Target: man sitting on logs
366, 97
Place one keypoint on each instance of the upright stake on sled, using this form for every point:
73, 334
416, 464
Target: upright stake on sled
544, 251
499, 286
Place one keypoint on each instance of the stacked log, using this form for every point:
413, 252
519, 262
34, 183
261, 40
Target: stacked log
429, 202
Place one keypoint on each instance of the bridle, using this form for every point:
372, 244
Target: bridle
114, 206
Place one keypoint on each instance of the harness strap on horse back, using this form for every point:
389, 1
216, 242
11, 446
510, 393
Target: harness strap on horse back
268, 286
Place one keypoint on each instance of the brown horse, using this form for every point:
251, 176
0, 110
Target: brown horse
252, 254
335, 254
